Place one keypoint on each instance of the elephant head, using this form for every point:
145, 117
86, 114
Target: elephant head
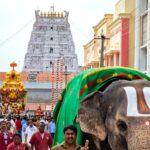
119, 115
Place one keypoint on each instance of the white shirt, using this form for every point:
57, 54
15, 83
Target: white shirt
30, 131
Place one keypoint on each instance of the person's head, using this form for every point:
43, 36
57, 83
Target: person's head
18, 117
30, 122
48, 119
17, 138
52, 119
70, 133
24, 117
41, 127
8, 125
3, 126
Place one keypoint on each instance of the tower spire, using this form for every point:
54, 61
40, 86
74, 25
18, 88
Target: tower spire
52, 8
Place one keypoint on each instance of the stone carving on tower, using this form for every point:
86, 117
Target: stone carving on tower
51, 40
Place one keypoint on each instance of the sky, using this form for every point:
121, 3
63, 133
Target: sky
17, 18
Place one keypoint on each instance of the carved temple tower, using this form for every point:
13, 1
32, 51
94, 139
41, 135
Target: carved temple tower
51, 40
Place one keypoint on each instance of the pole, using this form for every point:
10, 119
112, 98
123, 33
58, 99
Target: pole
102, 51
65, 76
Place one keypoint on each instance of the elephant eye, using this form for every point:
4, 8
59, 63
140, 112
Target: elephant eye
122, 125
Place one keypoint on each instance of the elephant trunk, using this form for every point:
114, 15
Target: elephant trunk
139, 134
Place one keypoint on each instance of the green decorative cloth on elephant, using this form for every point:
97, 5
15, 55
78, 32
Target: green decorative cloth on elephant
80, 86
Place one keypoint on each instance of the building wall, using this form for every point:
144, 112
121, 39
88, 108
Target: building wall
119, 47
119, 8
112, 54
92, 49
130, 6
142, 36
41, 77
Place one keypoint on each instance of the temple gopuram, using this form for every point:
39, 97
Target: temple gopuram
50, 61
51, 44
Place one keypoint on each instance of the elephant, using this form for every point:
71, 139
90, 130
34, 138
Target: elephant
118, 116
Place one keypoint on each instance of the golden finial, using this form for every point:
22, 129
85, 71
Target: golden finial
13, 65
41, 14
58, 14
62, 14
48, 14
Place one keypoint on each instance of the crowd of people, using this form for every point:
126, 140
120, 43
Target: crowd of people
22, 133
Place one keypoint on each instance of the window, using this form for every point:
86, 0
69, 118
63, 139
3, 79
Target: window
51, 50
51, 38
143, 59
143, 29
51, 64
146, 4
51, 27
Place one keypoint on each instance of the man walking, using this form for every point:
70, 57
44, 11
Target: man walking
29, 131
41, 140
5, 136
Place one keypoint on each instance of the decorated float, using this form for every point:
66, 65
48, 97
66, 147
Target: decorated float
12, 92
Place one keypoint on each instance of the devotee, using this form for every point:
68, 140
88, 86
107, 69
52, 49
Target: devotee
29, 131
11, 124
70, 133
41, 140
5, 136
17, 144
52, 127
18, 124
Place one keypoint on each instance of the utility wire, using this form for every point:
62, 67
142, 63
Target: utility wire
16, 33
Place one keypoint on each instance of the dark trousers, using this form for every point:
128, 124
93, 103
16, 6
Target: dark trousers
52, 135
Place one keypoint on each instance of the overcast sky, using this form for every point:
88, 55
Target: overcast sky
17, 18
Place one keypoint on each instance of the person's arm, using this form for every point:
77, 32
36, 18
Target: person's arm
32, 142
27, 147
32, 147
86, 145
26, 136
50, 141
84, 148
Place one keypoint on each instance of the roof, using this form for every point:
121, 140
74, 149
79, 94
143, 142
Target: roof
38, 85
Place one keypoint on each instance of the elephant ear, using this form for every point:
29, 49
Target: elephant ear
90, 116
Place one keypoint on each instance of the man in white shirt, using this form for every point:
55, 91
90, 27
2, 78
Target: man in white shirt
30, 130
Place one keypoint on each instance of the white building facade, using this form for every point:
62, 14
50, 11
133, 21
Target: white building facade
51, 41
142, 36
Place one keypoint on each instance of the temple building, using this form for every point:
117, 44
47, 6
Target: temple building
51, 43
50, 61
